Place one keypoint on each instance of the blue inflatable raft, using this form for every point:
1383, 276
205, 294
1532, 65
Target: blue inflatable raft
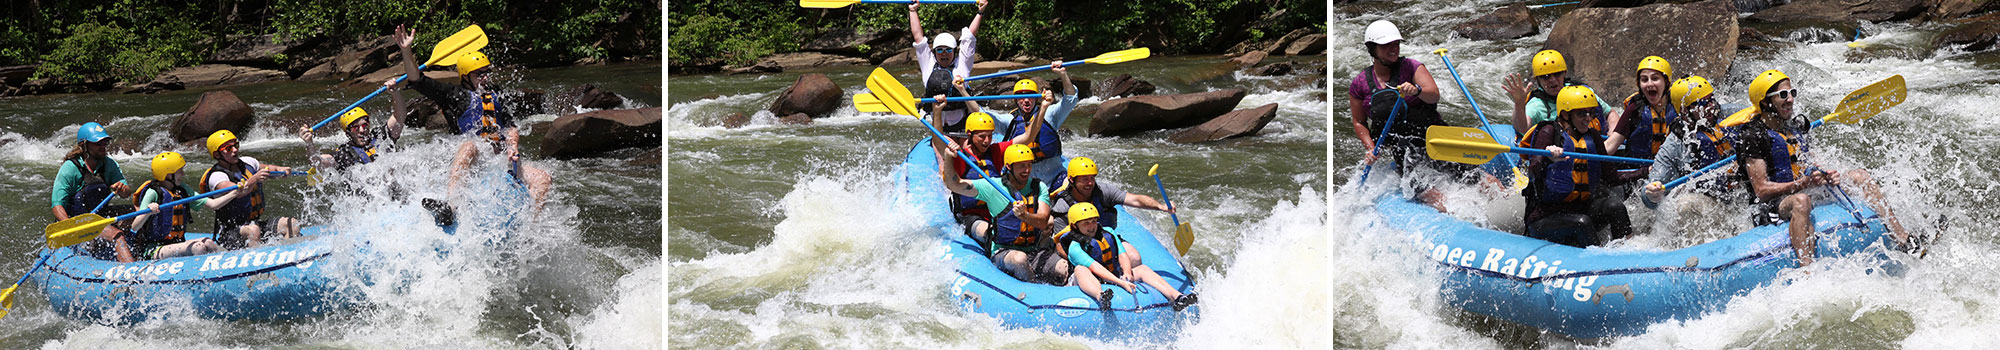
981, 287
272, 282
1597, 292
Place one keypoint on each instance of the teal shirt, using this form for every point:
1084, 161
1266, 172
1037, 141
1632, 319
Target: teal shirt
69, 179
996, 201
1080, 258
152, 196
1542, 110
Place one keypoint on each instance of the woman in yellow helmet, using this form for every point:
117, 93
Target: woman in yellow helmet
160, 234
1771, 148
1568, 200
477, 110
1539, 104
1099, 256
361, 147
1017, 235
240, 222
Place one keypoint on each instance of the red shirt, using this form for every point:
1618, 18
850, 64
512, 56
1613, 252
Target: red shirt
998, 151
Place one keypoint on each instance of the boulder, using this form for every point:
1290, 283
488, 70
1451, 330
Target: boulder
1278, 46
261, 50
1949, 9
1841, 11
1246, 122
900, 58
1248, 60
1313, 44
527, 102
580, 135
1975, 36
735, 120
1507, 23
1616, 3
213, 75
1273, 69
215, 110
425, 113
796, 119
813, 94
1125, 85
1158, 112
796, 60
356, 59
588, 96
1697, 38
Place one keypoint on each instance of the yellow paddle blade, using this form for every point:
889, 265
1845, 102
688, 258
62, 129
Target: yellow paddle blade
894, 95
1462, 145
7, 300
1870, 100
1184, 237
1154, 171
470, 39
866, 103
1121, 56
1439, 52
78, 229
1738, 118
826, 4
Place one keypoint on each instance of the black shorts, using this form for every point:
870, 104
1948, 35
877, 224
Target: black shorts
1043, 266
230, 236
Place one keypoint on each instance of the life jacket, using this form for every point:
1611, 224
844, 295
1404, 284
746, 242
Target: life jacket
1707, 146
480, 117
1549, 184
1107, 212
940, 83
1103, 249
1406, 138
240, 210
1645, 140
1010, 230
93, 189
1784, 165
361, 155
1046, 143
1548, 99
967, 205
167, 228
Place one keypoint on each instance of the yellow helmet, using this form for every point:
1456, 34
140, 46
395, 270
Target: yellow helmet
1575, 97
1082, 166
1026, 85
1017, 153
1549, 62
979, 121
1758, 88
471, 61
351, 116
1081, 212
1658, 64
219, 138
167, 163
1689, 89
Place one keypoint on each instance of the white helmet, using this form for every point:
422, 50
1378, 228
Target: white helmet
946, 40
1383, 32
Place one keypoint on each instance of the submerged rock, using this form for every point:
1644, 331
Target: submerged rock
215, 110
1246, 122
1158, 112
581, 135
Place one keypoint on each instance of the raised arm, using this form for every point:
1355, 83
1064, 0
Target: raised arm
976, 18
917, 26
397, 110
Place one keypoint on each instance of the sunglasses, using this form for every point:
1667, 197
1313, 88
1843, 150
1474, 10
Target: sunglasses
1784, 94
944, 50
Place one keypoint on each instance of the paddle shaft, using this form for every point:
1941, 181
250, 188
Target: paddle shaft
1717, 165
1393, 113
968, 161
1461, 88
979, 98
1169, 200
371, 96
1019, 71
1579, 155
45, 258
100, 204
189, 199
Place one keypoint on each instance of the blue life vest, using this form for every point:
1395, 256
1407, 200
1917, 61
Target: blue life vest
1107, 211
162, 228
480, 116
1784, 165
1009, 230
1104, 249
361, 155
1645, 140
1046, 143
1710, 146
1554, 186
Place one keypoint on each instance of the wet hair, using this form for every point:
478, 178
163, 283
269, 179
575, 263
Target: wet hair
75, 152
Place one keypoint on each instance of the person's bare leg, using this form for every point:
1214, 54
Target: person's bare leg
468, 153
188, 248
538, 183
288, 227
1151, 278
1798, 207
1433, 198
253, 236
1087, 282
1872, 192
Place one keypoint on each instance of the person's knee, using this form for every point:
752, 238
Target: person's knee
204, 246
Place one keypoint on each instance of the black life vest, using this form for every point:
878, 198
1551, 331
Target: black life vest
162, 228
1654, 125
239, 211
938, 83
1107, 211
1405, 139
967, 205
91, 189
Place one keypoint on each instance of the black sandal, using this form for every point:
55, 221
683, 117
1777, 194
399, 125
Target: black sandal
1183, 302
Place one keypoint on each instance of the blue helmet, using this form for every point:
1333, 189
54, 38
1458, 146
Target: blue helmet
91, 132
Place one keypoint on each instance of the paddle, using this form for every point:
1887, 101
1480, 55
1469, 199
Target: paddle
1520, 179
896, 96
1393, 113
472, 38
7, 296
834, 4
82, 228
1473, 146
1183, 232
1857, 107
1106, 58
867, 103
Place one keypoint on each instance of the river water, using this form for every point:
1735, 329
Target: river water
1933, 155
780, 235
583, 273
